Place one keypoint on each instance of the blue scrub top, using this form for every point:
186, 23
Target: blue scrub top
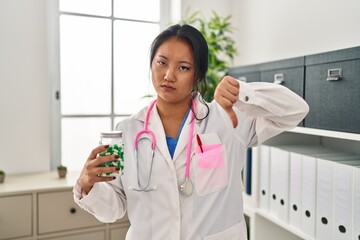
171, 142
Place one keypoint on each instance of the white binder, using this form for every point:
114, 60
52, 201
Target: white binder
343, 175
274, 181
279, 183
264, 178
295, 190
356, 218
325, 195
286, 168
308, 196
283, 188
295, 182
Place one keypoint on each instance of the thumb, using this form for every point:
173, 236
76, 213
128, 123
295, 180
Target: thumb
232, 115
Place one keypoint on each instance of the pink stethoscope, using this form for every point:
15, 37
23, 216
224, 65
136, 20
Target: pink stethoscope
185, 187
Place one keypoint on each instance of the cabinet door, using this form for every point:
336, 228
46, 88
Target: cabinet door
334, 104
59, 212
118, 233
98, 235
16, 216
292, 78
248, 77
124, 220
246, 73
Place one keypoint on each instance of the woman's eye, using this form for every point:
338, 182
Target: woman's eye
161, 62
184, 68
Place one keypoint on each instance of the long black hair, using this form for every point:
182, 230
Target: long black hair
200, 53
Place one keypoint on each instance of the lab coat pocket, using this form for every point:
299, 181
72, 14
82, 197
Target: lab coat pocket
210, 169
236, 232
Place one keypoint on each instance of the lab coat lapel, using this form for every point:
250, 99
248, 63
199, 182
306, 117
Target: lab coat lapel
184, 135
156, 126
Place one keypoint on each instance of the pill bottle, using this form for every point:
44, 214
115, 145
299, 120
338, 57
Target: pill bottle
116, 147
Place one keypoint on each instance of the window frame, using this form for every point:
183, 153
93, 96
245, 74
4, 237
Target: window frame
169, 13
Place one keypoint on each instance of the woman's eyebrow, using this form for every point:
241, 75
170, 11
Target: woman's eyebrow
182, 61
162, 56
186, 62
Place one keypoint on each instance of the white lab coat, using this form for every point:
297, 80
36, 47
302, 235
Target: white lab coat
215, 210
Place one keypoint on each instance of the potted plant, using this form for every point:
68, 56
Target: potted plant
217, 32
62, 170
2, 176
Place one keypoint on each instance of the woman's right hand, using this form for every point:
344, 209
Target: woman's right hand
89, 173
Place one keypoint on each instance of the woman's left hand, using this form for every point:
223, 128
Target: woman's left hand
226, 94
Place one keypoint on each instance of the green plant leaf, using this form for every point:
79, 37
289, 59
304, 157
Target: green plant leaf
217, 32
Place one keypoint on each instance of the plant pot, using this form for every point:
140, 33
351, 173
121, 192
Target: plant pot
62, 173
2, 178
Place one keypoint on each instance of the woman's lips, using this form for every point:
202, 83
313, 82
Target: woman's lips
167, 87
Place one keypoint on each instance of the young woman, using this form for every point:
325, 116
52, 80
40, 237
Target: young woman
189, 187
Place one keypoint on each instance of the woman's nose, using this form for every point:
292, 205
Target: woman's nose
169, 75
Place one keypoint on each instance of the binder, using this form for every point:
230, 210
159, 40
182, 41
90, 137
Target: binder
264, 178
295, 187
325, 195
344, 183
356, 218
295, 190
279, 183
274, 181
248, 171
308, 187
282, 177
283, 188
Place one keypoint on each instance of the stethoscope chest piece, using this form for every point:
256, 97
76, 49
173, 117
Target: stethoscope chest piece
186, 187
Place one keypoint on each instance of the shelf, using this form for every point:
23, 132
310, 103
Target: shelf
249, 208
326, 133
43, 181
282, 225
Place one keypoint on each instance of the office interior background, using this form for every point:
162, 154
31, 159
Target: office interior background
30, 62
30, 65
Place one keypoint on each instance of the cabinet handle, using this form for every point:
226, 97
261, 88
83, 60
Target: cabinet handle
279, 78
334, 74
72, 210
243, 79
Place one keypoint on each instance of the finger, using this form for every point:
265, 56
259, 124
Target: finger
228, 85
97, 150
229, 95
107, 170
225, 103
232, 81
233, 90
104, 179
103, 159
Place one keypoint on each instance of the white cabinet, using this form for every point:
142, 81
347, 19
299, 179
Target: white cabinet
264, 224
15, 216
98, 235
58, 212
118, 233
41, 207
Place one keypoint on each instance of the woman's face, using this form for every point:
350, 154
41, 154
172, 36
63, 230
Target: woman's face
173, 71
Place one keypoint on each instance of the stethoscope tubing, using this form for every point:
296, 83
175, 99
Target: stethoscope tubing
147, 131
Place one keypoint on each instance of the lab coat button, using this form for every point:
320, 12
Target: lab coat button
246, 98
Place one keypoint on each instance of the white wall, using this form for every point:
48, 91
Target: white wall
268, 30
221, 7
279, 29
24, 87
